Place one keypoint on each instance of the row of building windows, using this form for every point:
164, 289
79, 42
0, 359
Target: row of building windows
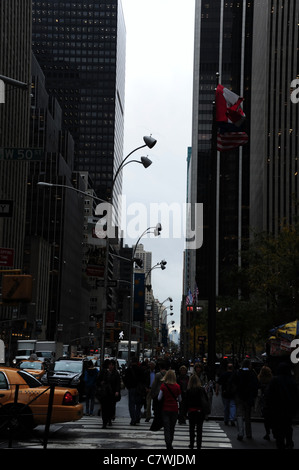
76, 5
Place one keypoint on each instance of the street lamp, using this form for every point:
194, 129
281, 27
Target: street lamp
157, 230
149, 142
161, 265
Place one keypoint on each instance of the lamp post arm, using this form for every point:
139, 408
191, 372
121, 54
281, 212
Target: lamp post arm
120, 168
52, 185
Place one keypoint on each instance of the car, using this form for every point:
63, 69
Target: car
36, 368
66, 373
24, 402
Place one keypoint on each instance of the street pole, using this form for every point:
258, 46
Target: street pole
212, 250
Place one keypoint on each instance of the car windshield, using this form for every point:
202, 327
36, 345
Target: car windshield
68, 366
31, 365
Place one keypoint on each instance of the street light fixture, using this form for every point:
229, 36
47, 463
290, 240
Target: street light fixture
157, 230
162, 265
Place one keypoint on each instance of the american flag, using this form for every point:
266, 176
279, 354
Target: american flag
189, 298
230, 140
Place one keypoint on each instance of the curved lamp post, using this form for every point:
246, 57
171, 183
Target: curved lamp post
157, 231
161, 265
149, 142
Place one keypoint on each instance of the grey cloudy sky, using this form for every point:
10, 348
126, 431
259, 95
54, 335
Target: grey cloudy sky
159, 71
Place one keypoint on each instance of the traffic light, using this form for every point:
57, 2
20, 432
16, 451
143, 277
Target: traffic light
17, 288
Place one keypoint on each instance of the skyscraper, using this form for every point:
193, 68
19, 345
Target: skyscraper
81, 49
223, 40
15, 63
275, 118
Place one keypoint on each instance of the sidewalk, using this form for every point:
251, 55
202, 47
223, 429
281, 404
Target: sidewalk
258, 429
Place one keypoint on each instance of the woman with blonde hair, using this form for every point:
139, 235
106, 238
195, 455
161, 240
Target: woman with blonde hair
196, 411
170, 393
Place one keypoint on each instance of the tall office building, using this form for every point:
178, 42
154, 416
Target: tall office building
15, 63
223, 44
275, 118
81, 49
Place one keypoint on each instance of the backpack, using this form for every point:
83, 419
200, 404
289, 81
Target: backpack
230, 387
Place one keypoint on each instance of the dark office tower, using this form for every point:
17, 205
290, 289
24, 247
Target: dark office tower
81, 48
15, 63
223, 38
275, 118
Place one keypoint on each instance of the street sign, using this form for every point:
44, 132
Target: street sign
17, 288
6, 208
110, 283
21, 154
6, 257
95, 270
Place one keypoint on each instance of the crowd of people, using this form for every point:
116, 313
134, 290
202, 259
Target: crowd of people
276, 395
173, 392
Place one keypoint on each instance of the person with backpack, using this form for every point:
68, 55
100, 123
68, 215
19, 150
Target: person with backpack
197, 401
246, 383
228, 391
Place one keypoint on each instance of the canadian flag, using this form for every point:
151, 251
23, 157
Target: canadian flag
230, 118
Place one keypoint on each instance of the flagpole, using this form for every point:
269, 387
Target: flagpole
212, 248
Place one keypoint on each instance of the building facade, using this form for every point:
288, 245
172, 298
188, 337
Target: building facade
81, 49
222, 54
15, 63
275, 118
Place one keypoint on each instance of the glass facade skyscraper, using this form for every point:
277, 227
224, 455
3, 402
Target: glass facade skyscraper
81, 49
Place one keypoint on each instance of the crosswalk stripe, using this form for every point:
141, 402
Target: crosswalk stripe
89, 433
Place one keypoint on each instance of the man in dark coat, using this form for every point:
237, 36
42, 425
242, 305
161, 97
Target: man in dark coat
281, 402
134, 381
246, 391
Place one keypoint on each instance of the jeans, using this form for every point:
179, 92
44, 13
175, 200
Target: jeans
90, 397
243, 416
229, 409
169, 422
135, 405
196, 420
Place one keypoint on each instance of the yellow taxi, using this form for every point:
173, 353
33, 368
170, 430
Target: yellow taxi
36, 368
24, 401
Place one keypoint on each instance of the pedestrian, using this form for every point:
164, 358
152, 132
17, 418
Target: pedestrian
149, 380
104, 394
199, 370
195, 408
264, 378
115, 383
157, 423
90, 383
134, 381
246, 391
281, 401
170, 393
228, 392
183, 380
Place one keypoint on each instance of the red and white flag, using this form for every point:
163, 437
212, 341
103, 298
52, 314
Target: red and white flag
230, 118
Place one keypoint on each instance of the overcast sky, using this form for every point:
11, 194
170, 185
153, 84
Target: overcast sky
159, 85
